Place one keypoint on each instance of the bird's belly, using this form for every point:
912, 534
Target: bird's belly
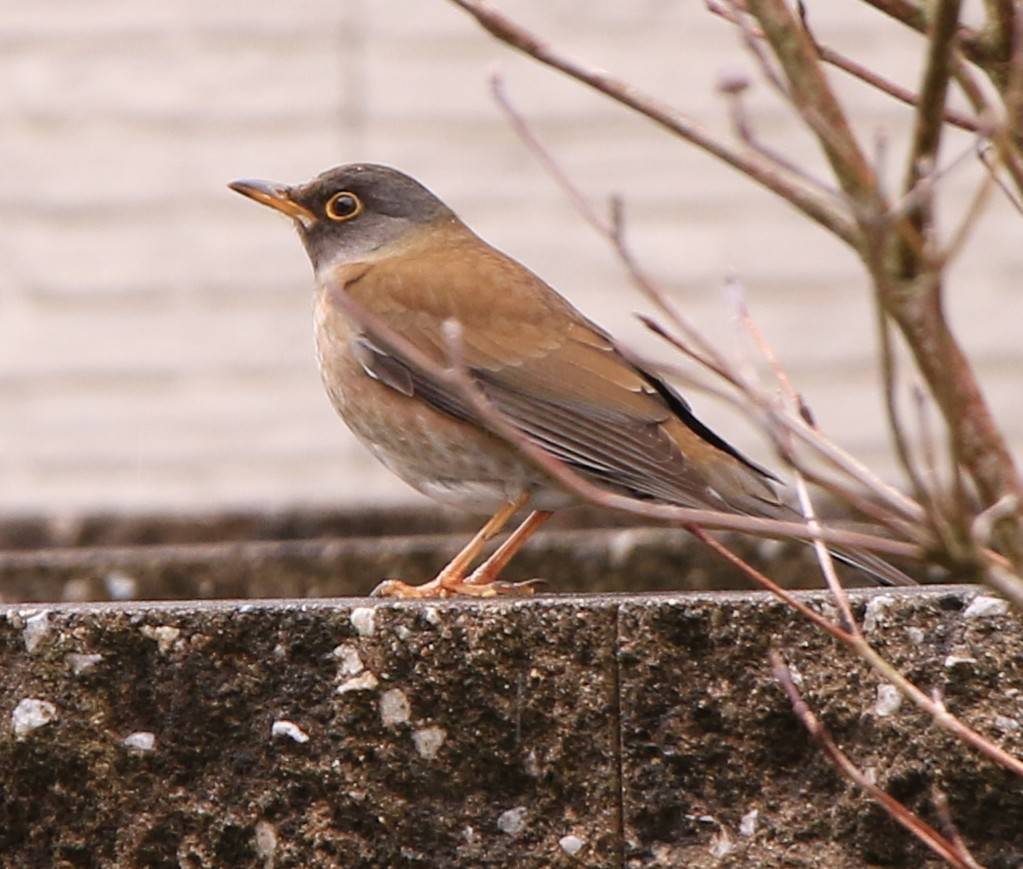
457, 468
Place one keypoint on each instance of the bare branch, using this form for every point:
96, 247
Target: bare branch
863, 650
813, 98
940, 800
939, 844
824, 559
914, 16
857, 70
755, 166
930, 120
694, 344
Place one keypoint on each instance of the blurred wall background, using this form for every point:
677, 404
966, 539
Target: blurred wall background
155, 347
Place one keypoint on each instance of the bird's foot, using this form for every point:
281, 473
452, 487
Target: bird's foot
443, 586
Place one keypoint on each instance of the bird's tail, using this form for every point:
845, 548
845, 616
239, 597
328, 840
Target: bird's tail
871, 564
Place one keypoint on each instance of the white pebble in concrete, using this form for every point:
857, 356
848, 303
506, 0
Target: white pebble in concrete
721, 844
82, 663
364, 682
748, 823
429, 740
1006, 724
394, 707
142, 741
916, 635
30, 714
888, 700
984, 606
363, 620
959, 660
266, 840
875, 611
351, 663
37, 628
513, 821
290, 730
164, 635
571, 845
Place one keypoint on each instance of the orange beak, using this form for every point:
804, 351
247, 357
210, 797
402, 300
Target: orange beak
277, 196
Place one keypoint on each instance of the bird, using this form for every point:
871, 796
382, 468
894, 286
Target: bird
388, 253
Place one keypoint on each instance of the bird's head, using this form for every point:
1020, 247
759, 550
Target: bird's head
351, 212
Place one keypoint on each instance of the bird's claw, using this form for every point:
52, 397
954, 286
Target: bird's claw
443, 587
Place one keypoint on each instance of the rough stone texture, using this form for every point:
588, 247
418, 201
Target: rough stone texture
708, 737
359, 733
425, 726
155, 343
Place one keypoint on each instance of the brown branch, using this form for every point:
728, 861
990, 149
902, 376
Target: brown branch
812, 97
755, 166
613, 232
824, 559
863, 650
909, 289
948, 849
930, 123
889, 380
858, 70
914, 16
940, 800
978, 444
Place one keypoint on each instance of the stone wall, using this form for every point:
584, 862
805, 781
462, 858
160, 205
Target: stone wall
639, 731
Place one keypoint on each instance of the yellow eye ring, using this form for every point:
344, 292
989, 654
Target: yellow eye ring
343, 206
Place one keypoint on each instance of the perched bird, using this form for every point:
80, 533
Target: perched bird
381, 239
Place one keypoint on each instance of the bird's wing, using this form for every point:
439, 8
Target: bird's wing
556, 377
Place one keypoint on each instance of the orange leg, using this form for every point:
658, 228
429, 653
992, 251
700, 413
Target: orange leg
451, 580
488, 572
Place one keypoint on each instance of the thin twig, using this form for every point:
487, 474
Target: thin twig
812, 97
754, 166
939, 844
940, 800
969, 221
824, 559
856, 69
930, 121
992, 169
889, 378
611, 229
914, 15
744, 131
778, 419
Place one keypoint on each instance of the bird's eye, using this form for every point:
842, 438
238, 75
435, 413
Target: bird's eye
344, 206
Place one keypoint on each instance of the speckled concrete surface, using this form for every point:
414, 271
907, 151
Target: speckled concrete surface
592, 731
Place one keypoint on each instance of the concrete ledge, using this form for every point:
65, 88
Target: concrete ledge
591, 731
606, 560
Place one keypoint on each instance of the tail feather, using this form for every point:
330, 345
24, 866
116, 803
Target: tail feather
874, 565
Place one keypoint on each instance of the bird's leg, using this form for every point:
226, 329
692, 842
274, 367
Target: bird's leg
487, 573
451, 580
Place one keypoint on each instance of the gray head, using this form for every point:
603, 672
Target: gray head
350, 211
